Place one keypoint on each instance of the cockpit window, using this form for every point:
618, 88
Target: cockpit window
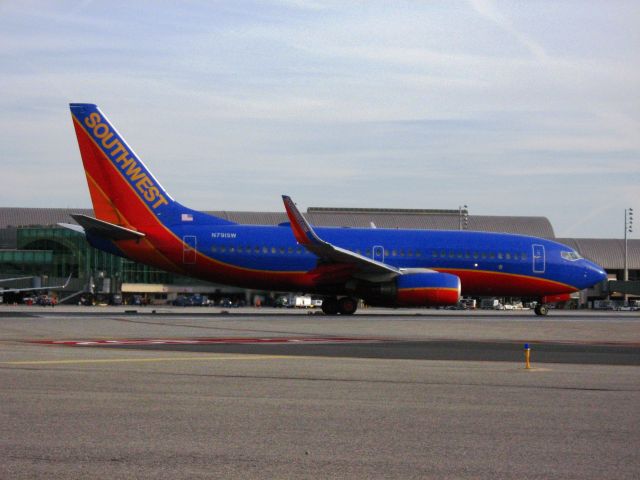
571, 256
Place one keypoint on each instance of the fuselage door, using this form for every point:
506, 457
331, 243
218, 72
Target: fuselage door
538, 258
378, 253
189, 246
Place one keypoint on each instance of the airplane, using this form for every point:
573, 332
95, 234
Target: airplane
136, 218
30, 289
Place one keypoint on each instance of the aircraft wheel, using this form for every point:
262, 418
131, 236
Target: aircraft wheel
330, 306
347, 305
541, 310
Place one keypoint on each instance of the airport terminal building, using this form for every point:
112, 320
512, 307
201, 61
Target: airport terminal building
33, 245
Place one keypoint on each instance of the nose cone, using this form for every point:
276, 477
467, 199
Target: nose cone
592, 274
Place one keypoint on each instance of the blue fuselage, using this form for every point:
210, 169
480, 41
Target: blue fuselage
488, 263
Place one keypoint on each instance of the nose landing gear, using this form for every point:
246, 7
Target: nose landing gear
541, 309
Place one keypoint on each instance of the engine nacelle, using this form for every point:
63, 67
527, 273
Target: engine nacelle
427, 289
419, 289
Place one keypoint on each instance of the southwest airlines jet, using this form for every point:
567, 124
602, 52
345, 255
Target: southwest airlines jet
136, 218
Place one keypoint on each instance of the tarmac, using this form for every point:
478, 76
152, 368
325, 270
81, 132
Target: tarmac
266, 393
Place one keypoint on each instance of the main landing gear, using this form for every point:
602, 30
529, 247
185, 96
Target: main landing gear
343, 306
541, 309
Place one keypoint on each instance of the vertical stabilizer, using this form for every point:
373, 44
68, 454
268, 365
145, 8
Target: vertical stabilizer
123, 190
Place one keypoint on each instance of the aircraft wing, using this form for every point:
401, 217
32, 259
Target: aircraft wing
32, 289
307, 237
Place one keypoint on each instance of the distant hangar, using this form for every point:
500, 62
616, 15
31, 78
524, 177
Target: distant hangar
31, 243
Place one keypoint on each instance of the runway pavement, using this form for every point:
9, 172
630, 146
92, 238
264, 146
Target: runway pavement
426, 394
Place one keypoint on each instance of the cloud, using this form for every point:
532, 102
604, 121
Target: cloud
489, 10
416, 104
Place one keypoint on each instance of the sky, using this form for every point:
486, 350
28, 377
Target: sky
509, 107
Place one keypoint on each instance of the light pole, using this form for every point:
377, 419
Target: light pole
463, 217
628, 229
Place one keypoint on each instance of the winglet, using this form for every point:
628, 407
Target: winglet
301, 229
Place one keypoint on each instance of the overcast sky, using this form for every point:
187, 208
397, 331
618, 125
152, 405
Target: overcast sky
513, 108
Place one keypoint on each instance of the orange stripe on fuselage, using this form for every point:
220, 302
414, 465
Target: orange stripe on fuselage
483, 282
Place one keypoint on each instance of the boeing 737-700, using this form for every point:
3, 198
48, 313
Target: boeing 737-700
136, 218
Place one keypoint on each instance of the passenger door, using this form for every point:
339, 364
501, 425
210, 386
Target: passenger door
189, 245
538, 258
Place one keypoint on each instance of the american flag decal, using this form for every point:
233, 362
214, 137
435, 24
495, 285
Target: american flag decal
186, 217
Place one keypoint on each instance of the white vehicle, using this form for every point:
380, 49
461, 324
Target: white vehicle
302, 301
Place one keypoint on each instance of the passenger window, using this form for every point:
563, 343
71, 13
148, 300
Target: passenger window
418, 253
281, 249
401, 252
240, 250
459, 254
223, 249
265, 249
290, 250
475, 255
500, 255
214, 248
492, 256
256, 249
516, 256
523, 256
393, 253
508, 256
409, 253
484, 256
232, 249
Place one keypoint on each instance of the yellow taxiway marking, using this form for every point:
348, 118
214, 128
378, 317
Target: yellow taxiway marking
148, 360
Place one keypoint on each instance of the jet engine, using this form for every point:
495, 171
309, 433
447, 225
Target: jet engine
420, 289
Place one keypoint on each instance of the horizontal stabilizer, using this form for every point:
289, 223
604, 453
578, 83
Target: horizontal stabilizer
105, 229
